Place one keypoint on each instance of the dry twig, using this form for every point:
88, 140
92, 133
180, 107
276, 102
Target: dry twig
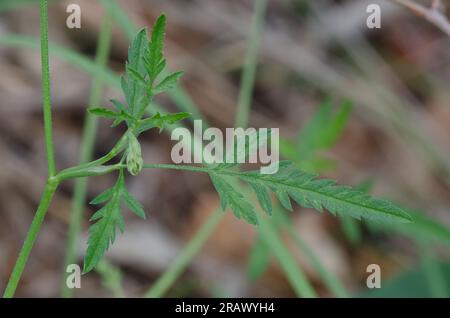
434, 14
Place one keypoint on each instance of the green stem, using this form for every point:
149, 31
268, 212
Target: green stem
178, 167
248, 76
17, 4
120, 145
44, 203
87, 148
46, 95
87, 172
194, 246
30, 238
52, 183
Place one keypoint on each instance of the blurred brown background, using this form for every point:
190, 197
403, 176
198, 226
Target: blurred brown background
398, 136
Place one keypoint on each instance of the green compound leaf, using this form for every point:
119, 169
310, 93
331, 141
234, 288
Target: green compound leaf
102, 233
145, 62
308, 192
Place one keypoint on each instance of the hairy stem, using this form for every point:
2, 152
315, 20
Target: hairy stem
87, 148
52, 183
46, 94
30, 238
88, 172
120, 145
